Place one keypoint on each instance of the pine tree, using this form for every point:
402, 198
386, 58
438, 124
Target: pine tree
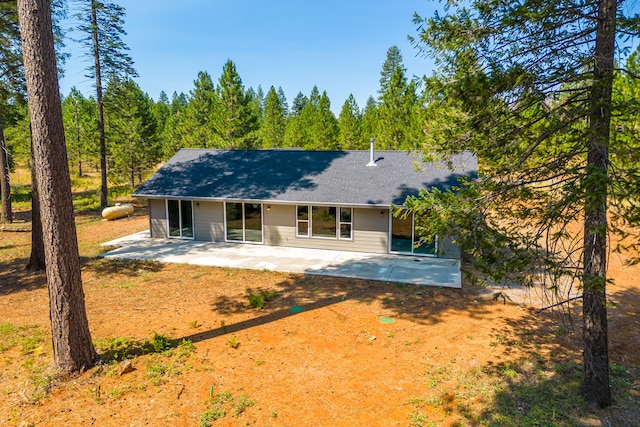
324, 126
527, 86
369, 122
274, 121
171, 136
196, 127
234, 120
256, 99
296, 129
283, 101
102, 28
73, 349
131, 125
392, 62
350, 125
161, 110
80, 131
397, 101
11, 84
298, 104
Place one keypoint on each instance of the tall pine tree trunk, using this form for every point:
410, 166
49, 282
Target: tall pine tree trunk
103, 143
595, 346
36, 260
72, 347
5, 181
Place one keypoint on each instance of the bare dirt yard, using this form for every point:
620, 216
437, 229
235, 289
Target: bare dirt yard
183, 345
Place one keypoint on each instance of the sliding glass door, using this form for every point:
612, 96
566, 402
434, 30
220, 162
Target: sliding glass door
405, 239
243, 222
180, 219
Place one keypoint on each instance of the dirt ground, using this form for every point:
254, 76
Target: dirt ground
323, 352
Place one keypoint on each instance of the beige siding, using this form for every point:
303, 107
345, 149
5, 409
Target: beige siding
209, 221
158, 218
369, 231
447, 249
370, 228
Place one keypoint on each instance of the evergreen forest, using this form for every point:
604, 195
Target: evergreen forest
141, 132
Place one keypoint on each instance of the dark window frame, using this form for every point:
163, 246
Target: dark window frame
181, 222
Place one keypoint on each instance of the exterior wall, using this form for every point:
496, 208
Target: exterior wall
370, 231
447, 249
158, 218
370, 228
208, 221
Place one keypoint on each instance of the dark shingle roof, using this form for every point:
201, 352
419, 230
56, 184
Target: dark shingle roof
290, 175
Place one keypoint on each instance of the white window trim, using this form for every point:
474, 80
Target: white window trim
309, 222
339, 216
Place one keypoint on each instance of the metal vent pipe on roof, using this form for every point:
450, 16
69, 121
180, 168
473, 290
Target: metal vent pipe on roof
371, 160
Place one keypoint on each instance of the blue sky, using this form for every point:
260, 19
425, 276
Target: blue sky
338, 45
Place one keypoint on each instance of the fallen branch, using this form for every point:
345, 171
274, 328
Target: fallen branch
560, 303
5, 229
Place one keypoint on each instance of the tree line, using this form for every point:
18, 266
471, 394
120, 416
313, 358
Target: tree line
140, 132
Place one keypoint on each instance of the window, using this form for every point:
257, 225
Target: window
243, 222
325, 222
346, 230
302, 221
180, 218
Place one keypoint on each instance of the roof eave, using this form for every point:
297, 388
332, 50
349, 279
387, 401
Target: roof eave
263, 201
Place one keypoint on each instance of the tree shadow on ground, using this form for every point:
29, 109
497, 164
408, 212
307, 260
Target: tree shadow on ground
537, 379
624, 327
14, 277
304, 293
130, 268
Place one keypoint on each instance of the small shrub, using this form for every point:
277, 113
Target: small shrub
233, 342
258, 300
158, 372
255, 301
223, 397
161, 342
241, 404
211, 415
185, 348
220, 403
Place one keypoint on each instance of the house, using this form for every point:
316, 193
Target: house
337, 200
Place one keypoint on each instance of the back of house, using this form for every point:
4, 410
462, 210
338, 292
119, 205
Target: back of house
338, 200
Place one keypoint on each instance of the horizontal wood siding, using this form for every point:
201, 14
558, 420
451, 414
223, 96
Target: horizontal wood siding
209, 221
370, 232
158, 218
370, 228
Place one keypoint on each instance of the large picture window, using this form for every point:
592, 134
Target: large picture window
325, 222
180, 218
243, 222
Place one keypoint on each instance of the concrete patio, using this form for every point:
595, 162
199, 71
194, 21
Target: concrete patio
384, 267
